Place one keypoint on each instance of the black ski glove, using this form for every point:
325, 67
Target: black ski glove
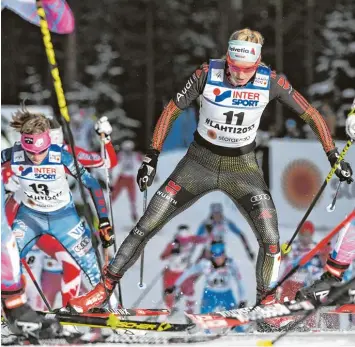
147, 171
106, 233
343, 171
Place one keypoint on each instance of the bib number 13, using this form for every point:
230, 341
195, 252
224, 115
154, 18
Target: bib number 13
230, 115
40, 188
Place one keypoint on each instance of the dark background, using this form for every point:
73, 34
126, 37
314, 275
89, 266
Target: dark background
158, 44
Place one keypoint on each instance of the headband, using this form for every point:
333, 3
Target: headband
35, 143
244, 51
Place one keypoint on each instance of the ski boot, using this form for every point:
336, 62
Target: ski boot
23, 320
319, 290
345, 297
97, 297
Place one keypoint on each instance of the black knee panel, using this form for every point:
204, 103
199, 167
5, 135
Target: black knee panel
261, 211
259, 200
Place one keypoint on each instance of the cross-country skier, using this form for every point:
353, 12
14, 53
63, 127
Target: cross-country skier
337, 264
128, 159
214, 229
63, 276
235, 92
20, 316
219, 272
84, 157
307, 273
46, 203
344, 251
91, 160
178, 254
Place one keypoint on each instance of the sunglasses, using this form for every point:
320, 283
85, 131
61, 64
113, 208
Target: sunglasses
236, 68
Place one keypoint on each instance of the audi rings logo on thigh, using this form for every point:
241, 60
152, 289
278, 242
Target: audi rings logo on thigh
138, 232
256, 199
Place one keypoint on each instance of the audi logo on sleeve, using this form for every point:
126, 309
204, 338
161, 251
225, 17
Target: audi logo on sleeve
256, 199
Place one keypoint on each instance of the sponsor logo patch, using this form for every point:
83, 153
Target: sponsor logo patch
172, 188
39, 143
239, 98
77, 231
25, 172
83, 246
217, 75
138, 232
54, 157
261, 80
232, 139
183, 92
256, 199
48, 173
19, 156
211, 134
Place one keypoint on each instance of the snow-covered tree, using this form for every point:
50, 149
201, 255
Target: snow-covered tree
335, 70
36, 93
102, 91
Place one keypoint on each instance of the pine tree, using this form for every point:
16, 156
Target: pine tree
102, 90
335, 70
37, 94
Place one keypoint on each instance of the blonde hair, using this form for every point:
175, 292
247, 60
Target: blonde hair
29, 123
247, 35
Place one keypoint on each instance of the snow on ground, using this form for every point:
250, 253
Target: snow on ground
313, 339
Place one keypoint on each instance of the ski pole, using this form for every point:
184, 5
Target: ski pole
331, 207
141, 284
328, 178
331, 298
62, 104
307, 257
40, 291
326, 181
108, 187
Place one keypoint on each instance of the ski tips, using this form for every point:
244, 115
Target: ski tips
263, 343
